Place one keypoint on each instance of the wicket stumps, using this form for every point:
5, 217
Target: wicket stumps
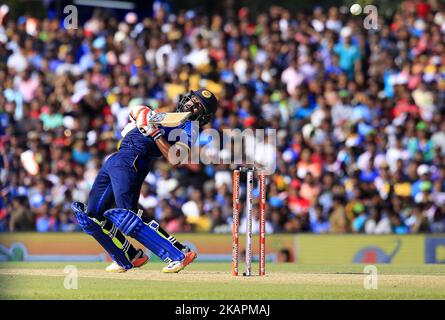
235, 222
250, 172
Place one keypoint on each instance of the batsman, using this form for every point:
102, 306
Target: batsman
119, 182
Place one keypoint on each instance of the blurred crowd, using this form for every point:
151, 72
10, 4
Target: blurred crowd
359, 115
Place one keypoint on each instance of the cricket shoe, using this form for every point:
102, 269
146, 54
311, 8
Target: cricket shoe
139, 260
176, 266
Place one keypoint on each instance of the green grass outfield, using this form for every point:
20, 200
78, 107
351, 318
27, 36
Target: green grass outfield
38, 280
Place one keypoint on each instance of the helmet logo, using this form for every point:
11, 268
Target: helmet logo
206, 94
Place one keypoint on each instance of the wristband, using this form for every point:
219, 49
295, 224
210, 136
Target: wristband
155, 135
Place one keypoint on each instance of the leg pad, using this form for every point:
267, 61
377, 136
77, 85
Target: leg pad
132, 225
93, 227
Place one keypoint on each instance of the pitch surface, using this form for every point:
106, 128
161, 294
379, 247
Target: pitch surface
26, 280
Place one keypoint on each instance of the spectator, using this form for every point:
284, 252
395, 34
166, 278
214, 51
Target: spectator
358, 114
319, 224
21, 218
348, 53
377, 223
337, 219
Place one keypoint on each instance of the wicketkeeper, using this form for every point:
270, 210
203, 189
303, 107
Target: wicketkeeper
120, 180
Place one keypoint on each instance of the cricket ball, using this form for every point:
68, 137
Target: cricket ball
356, 9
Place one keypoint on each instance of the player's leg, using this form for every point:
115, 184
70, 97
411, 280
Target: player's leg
155, 225
175, 265
137, 257
143, 171
126, 184
132, 225
91, 219
94, 228
100, 199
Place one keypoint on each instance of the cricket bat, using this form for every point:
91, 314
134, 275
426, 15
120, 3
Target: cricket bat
170, 119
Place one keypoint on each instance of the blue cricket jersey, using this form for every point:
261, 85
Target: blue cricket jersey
185, 133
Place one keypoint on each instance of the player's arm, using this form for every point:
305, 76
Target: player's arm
174, 153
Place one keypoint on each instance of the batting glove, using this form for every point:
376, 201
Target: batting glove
146, 128
135, 111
